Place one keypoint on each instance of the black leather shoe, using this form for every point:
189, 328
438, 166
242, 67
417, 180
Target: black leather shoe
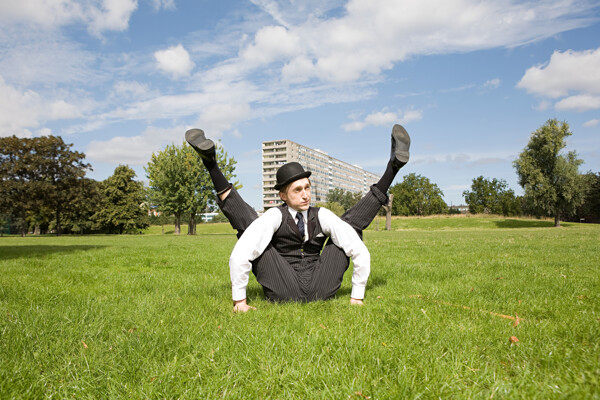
205, 147
400, 146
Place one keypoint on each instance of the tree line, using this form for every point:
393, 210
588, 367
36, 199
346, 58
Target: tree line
44, 188
552, 185
550, 178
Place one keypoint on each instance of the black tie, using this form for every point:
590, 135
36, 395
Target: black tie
300, 224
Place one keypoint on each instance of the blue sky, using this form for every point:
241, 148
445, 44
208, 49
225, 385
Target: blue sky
469, 79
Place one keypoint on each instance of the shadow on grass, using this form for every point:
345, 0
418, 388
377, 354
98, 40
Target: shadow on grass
253, 292
519, 223
374, 281
34, 251
256, 292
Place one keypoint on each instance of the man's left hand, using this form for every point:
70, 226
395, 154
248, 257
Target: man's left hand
356, 302
242, 306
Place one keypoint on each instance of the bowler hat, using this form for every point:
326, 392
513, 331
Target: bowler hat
289, 173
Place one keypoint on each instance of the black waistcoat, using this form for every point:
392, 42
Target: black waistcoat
288, 242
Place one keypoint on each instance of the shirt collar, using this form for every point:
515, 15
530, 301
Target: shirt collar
294, 212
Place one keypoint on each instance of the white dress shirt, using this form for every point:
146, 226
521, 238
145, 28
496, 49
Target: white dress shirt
260, 232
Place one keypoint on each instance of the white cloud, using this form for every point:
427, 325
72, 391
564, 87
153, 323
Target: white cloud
354, 126
308, 54
164, 4
308, 60
565, 72
291, 12
591, 123
492, 84
271, 43
218, 118
573, 76
465, 159
130, 90
18, 111
384, 118
21, 111
174, 61
110, 15
582, 102
542, 105
298, 70
372, 35
60, 109
411, 115
44, 132
186, 104
113, 16
46, 13
30, 56
134, 150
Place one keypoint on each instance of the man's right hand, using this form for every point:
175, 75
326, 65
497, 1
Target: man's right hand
242, 306
356, 302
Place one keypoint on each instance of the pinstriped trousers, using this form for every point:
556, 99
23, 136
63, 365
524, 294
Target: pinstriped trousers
280, 281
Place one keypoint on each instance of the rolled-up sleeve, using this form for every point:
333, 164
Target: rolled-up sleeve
346, 238
248, 248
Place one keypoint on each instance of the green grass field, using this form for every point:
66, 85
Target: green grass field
149, 317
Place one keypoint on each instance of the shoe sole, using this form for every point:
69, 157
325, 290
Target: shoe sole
196, 139
402, 139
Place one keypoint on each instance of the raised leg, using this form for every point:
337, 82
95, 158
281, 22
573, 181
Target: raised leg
239, 213
363, 213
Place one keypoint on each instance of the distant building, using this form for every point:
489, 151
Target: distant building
328, 173
208, 217
463, 209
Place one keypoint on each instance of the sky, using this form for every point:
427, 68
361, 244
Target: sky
470, 80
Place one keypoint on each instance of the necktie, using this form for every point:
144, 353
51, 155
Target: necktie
300, 224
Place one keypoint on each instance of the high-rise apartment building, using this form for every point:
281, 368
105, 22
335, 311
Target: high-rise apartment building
328, 173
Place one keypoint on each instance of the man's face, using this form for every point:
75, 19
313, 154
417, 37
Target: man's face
297, 194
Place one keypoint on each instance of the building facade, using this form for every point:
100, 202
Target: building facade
328, 173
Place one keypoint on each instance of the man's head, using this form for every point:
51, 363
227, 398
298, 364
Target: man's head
296, 194
294, 186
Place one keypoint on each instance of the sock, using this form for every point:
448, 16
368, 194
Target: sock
219, 181
388, 176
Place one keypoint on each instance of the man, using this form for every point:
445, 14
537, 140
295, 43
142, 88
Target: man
285, 248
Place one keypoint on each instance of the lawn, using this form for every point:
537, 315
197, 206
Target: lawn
149, 316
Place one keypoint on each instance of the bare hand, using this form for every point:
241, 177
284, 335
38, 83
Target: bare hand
356, 302
242, 306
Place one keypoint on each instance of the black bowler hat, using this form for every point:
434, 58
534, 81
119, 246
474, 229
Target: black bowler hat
289, 173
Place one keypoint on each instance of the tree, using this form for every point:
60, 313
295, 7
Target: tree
550, 179
4, 224
78, 216
168, 178
334, 207
62, 171
345, 198
416, 195
16, 177
179, 183
121, 209
491, 196
37, 177
590, 208
388, 212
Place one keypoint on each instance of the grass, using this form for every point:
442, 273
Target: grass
150, 317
